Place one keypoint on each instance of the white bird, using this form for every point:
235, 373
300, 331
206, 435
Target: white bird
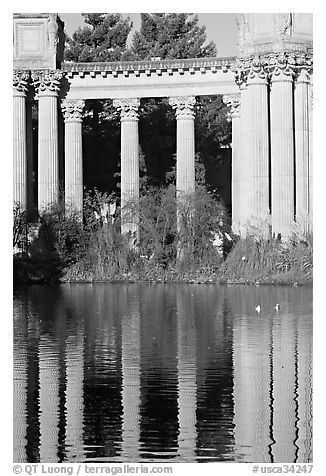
277, 307
257, 308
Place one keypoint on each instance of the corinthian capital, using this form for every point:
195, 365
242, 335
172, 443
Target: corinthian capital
128, 108
72, 109
233, 102
250, 70
257, 72
47, 82
184, 106
282, 66
20, 82
240, 70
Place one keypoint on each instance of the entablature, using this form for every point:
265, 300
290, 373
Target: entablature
175, 66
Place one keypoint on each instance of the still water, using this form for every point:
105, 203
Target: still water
148, 373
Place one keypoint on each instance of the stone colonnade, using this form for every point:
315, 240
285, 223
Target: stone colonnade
47, 86
271, 142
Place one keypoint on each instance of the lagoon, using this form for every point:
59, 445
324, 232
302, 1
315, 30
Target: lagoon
162, 372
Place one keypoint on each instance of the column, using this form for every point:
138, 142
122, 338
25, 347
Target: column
129, 166
310, 194
257, 161
30, 159
282, 146
242, 180
233, 102
72, 112
47, 85
20, 80
301, 118
185, 115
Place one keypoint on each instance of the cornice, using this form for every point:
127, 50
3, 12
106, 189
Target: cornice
159, 67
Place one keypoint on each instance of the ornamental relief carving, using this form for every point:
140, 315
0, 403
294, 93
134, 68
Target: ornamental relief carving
47, 81
53, 29
233, 102
278, 66
184, 106
284, 22
72, 109
20, 81
129, 108
282, 65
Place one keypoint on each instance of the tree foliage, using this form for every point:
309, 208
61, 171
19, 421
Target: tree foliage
171, 35
104, 38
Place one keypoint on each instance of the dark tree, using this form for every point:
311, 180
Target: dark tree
171, 35
104, 38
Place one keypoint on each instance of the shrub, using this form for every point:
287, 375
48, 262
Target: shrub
20, 229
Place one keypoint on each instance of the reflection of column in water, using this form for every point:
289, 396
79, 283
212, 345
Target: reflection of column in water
304, 356
20, 398
48, 399
187, 385
251, 389
74, 359
284, 405
131, 382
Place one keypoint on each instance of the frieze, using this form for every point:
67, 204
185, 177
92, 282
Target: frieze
72, 109
20, 81
184, 106
171, 66
47, 81
129, 108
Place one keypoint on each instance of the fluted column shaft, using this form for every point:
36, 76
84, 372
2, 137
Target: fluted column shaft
30, 159
129, 165
19, 139
282, 153
243, 211
257, 163
72, 111
310, 160
301, 118
185, 115
47, 87
233, 101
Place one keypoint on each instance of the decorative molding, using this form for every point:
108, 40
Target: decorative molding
258, 73
20, 82
233, 102
129, 108
284, 23
283, 66
72, 109
47, 82
184, 106
170, 67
